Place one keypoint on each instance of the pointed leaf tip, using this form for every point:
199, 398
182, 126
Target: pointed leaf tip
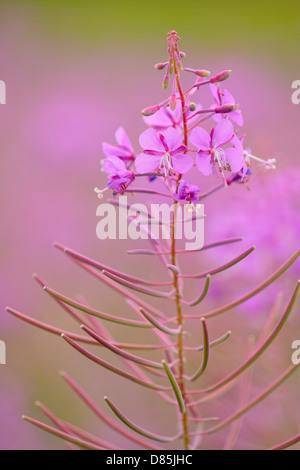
59, 246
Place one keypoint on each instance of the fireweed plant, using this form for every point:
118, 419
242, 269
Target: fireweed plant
174, 144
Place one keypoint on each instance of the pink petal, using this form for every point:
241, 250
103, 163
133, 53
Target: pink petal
173, 138
228, 98
109, 150
237, 118
223, 133
159, 120
182, 163
235, 159
200, 138
203, 163
238, 144
123, 139
218, 117
149, 140
214, 92
112, 164
146, 163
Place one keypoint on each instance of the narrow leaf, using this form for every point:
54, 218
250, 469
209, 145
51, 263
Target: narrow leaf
205, 358
158, 325
175, 386
268, 391
205, 247
115, 349
112, 368
137, 288
103, 267
57, 422
49, 328
123, 292
261, 349
287, 444
103, 416
252, 293
63, 435
214, 343
96, 313
137, 428
219, 269
203, 293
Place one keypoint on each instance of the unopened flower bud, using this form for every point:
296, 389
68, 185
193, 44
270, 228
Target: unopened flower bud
220, 77
179, 64
182, 55
192, 107
225, 108
202, 73
160, 65
166, 82
173, 102
151, 110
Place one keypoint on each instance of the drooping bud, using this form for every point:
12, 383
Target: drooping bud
182, 55
220, 77
192, 107
224, 109
173, 102
165, 82
202, 73
150, 110
160, 65
199, 73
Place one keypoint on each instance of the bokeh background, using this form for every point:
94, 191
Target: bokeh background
74, 72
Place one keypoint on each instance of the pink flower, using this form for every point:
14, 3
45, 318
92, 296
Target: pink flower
211, 152
224, 97
187, 192
119, 177
123, 150
163, 152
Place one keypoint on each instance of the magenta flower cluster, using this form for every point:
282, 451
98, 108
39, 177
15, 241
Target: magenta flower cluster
181, 135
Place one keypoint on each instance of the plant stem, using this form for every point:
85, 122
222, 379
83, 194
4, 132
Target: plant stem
175, 276
181, 381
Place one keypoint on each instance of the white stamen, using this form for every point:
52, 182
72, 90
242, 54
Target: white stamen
165, 164
100, 192
220, 158
270, 163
